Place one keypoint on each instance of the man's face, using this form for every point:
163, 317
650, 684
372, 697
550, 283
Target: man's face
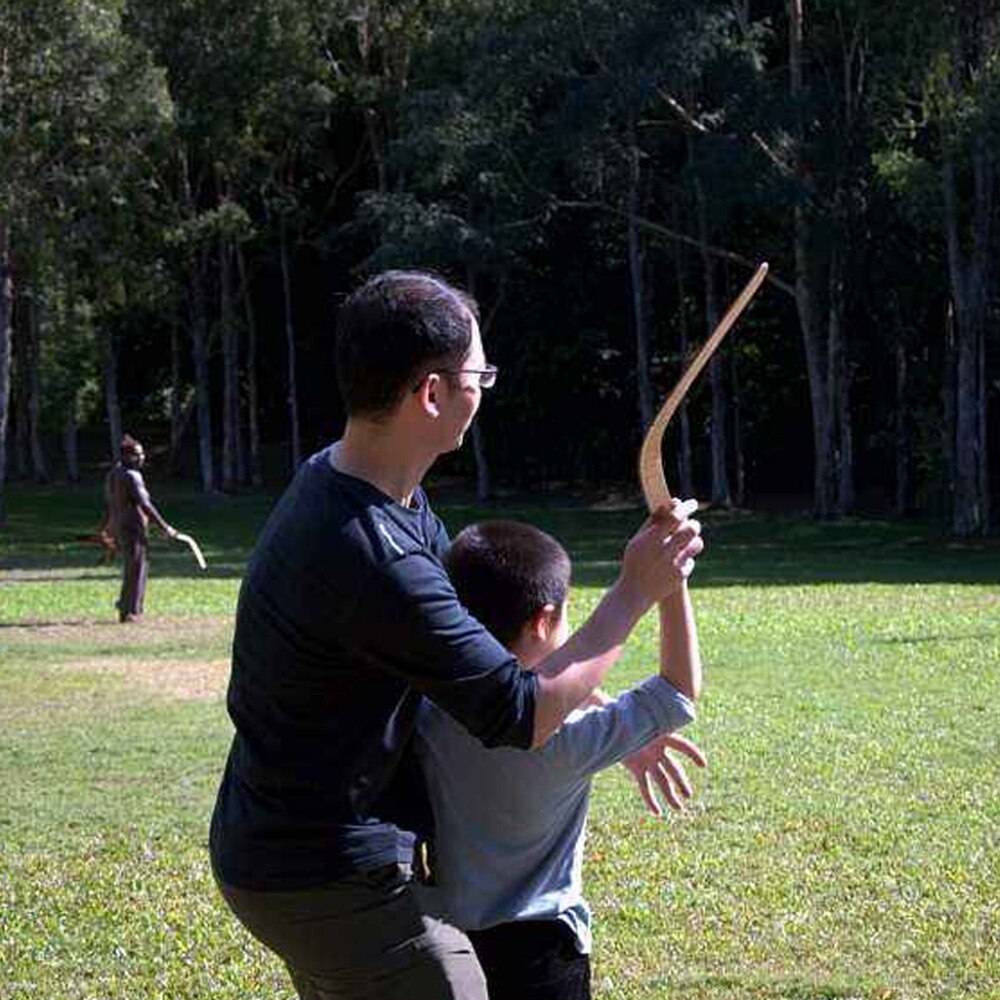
135, 458
460, 391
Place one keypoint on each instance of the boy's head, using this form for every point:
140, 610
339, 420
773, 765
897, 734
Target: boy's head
392, 331
515, 580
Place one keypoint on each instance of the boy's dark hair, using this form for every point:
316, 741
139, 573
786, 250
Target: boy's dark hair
393, 330
504, 572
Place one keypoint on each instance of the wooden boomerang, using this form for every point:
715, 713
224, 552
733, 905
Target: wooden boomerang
194, 547
654, 483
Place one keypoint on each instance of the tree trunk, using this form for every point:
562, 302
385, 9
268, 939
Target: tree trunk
738, 456
22, 460
230, 371
39, 466
173, 459
968, 273
71, 417
969, 515
484, 481
984, 450
199, 356
256, 476
484, 484
806, 299
199, 340
948, 383
819, 395
970, 261
845, 484
6, 314
71, 450
901, 435
839, 392
721, 496
111, 405
685, 472
293, 398
636, 297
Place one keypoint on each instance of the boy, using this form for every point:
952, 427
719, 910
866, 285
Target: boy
510, 823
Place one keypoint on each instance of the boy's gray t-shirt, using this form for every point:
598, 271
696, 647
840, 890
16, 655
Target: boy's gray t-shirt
510, 823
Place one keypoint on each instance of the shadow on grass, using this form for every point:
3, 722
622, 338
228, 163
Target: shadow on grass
29, 624
793, 988
757, 550
919, 640
41, 573
742, 549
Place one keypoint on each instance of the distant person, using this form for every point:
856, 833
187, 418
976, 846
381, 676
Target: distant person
346, 620
129, 511
509, 824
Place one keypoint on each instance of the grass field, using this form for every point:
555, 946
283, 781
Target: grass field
845, 841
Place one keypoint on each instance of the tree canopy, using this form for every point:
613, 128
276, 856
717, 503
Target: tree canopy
188, 189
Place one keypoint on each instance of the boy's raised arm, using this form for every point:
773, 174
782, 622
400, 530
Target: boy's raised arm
654, 566
680, 657
680, 665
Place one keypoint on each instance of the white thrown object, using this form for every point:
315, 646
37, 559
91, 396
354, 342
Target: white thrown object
194, 547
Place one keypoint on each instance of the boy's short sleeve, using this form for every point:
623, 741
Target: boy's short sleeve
408, 622
597, 738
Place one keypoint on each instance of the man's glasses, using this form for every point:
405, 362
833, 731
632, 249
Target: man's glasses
487, 375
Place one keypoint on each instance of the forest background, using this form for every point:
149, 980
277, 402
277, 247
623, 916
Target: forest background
188, 188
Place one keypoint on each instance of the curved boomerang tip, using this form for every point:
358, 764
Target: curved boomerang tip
654, 484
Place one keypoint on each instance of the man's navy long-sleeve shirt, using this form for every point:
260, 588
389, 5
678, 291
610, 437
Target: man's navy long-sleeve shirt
346, 619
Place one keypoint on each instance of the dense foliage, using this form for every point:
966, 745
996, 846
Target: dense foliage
188, 188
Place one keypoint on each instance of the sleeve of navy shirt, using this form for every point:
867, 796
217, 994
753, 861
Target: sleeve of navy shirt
410, 621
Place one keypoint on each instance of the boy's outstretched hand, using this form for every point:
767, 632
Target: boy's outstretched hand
653, 765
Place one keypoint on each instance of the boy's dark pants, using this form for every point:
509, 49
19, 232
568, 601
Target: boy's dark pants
361, 938
134, 550
532, 960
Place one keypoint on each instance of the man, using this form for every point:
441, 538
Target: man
346, 619
129, 511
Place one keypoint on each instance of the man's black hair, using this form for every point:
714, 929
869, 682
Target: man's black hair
130, 445
505, 572
392, 331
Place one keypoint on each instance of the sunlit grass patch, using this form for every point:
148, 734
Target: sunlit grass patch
844, 842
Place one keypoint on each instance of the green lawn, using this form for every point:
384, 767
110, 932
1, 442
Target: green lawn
845, 841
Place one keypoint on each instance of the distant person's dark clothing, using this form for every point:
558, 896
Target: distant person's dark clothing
127, 499
346, 619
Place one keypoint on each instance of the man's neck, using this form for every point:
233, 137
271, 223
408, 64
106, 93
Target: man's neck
381, 455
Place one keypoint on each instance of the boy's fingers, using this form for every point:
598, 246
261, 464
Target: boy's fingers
677, 776
648, 796
667, 787
686, 747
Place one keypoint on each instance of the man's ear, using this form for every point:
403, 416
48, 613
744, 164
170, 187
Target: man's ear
428, 393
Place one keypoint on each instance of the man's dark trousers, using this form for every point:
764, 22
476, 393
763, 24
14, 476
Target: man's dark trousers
134, 550
362, 938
